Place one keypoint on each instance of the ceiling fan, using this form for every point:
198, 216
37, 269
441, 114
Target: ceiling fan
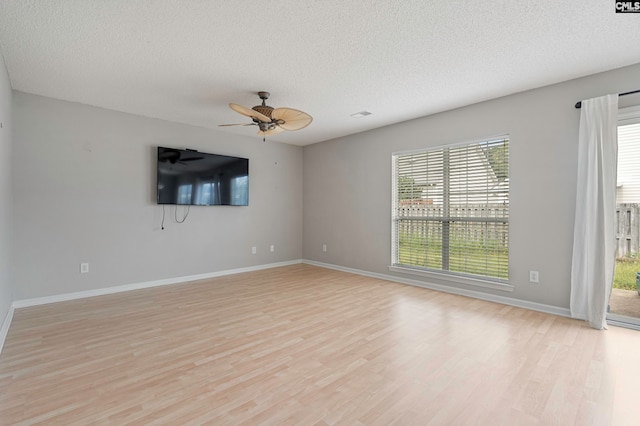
174, 156
272, 121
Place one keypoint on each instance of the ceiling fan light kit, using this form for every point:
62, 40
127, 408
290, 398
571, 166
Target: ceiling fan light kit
269, 120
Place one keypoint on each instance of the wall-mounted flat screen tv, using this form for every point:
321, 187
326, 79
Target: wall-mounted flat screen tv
189, 177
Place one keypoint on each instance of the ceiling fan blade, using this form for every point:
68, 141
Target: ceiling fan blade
271, 132
238, 124
249, 113
293, 119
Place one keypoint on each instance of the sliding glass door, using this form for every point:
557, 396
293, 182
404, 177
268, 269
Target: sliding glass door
624, 305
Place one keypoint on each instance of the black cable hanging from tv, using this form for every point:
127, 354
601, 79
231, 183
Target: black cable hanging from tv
579, 103
175, 214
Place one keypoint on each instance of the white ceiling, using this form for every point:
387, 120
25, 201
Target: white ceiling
184, 61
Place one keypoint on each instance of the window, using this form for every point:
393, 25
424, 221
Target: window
451, 210
628, 155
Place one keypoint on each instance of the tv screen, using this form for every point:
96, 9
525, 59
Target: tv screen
190, 177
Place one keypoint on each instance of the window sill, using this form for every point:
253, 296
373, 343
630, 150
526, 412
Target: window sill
454, 278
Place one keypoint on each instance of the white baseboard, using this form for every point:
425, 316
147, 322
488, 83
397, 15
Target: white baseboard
5, 326
534, 306
138, 286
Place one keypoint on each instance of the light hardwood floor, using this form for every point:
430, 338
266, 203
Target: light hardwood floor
306, 345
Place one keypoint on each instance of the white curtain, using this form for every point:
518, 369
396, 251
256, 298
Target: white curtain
594, 234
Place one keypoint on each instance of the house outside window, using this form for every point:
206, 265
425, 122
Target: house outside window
451, 210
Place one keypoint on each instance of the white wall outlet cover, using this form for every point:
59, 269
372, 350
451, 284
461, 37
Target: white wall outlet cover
534, 276
84, 268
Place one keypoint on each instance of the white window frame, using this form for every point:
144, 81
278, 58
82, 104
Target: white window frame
629, 115
462, 278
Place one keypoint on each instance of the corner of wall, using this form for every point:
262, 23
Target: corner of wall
6, 200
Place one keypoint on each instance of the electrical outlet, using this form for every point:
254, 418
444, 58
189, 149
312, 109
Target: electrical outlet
84, 268
254, 250
534, 276
272, 248
324, 248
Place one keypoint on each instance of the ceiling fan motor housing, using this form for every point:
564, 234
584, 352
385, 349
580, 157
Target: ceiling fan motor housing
263, 109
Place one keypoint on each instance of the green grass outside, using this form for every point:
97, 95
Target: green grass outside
426, 251
625, 273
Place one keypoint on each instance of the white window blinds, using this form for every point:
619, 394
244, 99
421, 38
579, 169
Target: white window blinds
451, 209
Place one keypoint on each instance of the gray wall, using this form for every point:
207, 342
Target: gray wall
5, 192
347, 182
84, 191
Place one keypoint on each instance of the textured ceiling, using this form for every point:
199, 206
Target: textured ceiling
184, 61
